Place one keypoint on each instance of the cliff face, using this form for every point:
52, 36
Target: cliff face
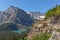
55, 35
15, 15
55, 21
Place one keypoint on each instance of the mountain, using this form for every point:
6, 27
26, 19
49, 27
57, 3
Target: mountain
36, 15
15, 15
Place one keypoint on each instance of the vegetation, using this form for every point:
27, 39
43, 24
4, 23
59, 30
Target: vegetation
6, 32
7, 35
44, 36
53, 12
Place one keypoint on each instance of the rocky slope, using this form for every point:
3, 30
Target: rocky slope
55, 35
55, 21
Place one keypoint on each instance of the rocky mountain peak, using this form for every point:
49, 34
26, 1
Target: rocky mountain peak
15, 15
12, 6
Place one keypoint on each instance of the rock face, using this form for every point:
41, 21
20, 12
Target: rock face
55, 36
15, 15
55, 21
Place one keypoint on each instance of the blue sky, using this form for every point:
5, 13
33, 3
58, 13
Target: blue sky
30, 5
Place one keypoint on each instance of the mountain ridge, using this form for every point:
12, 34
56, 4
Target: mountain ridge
15, 15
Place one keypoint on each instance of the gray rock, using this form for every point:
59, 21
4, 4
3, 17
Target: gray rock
55, 36
55, 21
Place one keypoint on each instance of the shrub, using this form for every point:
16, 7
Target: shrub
44, 36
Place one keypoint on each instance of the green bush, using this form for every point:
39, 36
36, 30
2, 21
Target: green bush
44, 36
53, 12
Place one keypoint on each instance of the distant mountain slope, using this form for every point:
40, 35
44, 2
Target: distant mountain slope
37, 15
15, 15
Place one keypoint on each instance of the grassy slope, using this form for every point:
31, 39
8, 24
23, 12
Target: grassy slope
44, 36
53, 12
